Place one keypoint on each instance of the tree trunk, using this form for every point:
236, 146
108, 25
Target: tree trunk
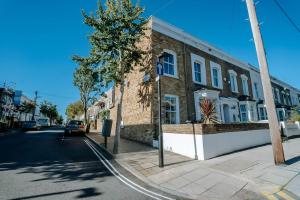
85, 115
119, 119
86, 120
119, 109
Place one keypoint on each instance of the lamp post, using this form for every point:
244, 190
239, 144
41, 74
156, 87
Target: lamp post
160, 72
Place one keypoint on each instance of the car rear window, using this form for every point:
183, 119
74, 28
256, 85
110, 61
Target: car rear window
76, 123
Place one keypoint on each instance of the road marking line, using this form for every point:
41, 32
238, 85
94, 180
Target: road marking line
117, 176
284, 195
116, 173
269, 196
126, 179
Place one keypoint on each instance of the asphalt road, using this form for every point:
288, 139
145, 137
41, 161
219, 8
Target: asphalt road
43, 165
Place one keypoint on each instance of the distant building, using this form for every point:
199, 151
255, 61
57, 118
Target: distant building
20, 100
105, 102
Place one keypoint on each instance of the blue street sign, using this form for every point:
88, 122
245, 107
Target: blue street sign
159, 69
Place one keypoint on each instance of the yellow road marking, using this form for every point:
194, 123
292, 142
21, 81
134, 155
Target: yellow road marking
269, 196
285, 196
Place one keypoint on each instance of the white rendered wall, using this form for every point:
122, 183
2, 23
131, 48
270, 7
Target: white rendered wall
183, 144
292, 130
222, 143
212, 145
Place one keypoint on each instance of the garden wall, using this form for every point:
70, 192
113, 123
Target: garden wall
139, 132
213, 140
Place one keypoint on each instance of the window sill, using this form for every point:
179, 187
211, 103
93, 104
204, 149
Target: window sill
171, 76
200, 83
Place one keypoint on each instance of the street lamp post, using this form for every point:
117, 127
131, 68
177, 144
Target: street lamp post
160, 72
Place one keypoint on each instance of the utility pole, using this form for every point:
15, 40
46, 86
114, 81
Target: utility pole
266, 82
35, 101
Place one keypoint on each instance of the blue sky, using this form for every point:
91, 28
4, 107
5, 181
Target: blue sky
38, 38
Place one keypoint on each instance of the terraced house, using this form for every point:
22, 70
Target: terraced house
194, 70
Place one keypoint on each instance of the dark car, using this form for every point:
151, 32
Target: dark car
31, 125
75, 126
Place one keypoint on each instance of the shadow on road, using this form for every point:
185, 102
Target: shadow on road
85, 192
56, 160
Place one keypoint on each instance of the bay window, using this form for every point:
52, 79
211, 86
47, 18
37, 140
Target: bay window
262, 113
244, 113
171, 109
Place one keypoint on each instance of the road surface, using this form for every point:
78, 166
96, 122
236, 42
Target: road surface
46, 165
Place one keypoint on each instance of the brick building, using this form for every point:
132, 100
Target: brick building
193, 70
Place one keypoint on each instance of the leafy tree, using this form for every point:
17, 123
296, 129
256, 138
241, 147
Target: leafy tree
104, 114
86, 79
117, 31
59, 120
26, 107
49, 110
74, 109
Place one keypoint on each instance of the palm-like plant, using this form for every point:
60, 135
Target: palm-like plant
208, 111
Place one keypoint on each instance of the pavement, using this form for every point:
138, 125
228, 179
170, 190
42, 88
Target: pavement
46, 165
249, 174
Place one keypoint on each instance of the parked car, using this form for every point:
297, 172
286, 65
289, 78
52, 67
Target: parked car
31, 125
75, 126
44, 122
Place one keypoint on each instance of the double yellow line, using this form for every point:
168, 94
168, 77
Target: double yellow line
281, 194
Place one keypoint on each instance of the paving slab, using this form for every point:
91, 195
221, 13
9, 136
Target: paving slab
294, 185
222, 190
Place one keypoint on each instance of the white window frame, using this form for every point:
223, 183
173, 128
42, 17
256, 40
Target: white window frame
177, 106
214, 65
175, 63
245, 90
198, 59
233, 74
265, 112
